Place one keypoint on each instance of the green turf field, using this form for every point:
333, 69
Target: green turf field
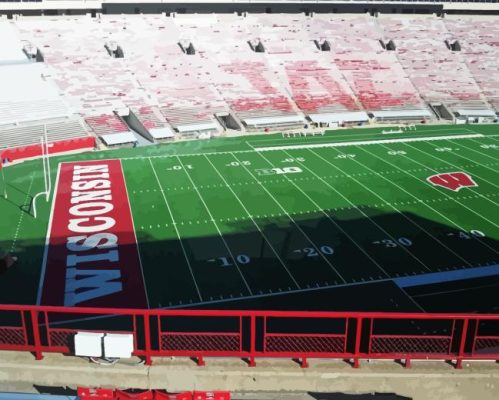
266, 217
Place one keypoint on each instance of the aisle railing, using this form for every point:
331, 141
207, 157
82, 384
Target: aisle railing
350, 336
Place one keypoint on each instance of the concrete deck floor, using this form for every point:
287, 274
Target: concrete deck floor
424, 380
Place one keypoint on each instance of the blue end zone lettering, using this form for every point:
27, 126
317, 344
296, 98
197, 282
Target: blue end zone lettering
446, 276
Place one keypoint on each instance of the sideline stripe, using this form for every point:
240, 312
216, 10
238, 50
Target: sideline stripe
135, 234
367, 142
447, 276
47, 238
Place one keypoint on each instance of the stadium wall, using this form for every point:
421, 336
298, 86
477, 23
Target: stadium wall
268, 7
78, 7
21, 153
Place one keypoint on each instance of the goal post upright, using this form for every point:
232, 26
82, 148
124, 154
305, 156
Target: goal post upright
4, 184
46, 171
47, 163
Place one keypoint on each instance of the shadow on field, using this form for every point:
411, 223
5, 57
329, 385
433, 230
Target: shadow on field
340, 262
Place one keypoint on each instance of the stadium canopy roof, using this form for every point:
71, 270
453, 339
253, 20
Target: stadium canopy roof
476, 113
401, 114
11, 49
207, 126
161, 133
269, 121
357, 116
118, 138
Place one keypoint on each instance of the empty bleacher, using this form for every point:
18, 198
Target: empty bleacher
18, 136
478, 37
439, 74
266, 71
111, 129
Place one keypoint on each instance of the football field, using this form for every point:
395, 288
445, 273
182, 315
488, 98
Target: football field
354, 219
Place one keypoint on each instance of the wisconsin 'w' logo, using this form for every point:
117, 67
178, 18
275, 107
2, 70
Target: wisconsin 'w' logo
452, 180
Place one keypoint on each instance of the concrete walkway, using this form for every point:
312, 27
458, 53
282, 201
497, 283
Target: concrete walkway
424, 381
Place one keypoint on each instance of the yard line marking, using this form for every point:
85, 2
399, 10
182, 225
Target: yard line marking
368, 142
254, 222
135, 233
320, 210
358, 209
19, 223
47, 240
418, 201
493, 137
412, 299
176, 230
445, 194
428, 206
385, 202
296, 179
291, 219
455, 166
284, 292
479, 152
457, 290
216, 226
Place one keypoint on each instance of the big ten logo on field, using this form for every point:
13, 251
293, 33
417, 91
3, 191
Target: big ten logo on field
452, 180
278, 171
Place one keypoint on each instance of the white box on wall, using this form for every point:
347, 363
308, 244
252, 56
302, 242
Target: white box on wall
88, 344
118, 345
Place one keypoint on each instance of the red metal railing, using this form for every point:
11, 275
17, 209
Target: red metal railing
257, 334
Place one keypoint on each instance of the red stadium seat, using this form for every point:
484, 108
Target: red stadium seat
123, 395
160, 395
95, 394
219, 395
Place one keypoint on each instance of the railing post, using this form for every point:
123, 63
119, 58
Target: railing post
36, 334
200, 361
147, 333
460, 355
252, 362
358, 333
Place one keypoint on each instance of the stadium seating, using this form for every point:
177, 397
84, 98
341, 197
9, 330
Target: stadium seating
480, 51
374, 74
111, 129
182, 73
150, 123
439, 74
16, 136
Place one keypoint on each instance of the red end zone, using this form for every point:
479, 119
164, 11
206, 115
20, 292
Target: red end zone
91, 258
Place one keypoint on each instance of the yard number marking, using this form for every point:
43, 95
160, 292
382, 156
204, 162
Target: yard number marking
389, 243
345, 156
237, 163
311, 252
240, 258
179, 167
474, 233
288, 160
